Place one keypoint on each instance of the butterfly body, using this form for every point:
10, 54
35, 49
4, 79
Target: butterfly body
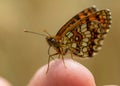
57, 45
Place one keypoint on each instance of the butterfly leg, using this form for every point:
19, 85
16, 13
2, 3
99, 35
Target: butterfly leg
50, 56
49, 52
71, 55
59, 56
61, 49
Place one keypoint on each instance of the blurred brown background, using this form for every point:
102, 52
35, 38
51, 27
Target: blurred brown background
21, 54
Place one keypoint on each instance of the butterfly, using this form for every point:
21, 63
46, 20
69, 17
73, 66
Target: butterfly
82, 35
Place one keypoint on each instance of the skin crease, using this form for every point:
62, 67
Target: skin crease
70, 74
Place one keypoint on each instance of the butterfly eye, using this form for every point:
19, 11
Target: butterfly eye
52, 40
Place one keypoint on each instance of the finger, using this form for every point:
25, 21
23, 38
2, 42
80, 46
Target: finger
4, 82
70, 74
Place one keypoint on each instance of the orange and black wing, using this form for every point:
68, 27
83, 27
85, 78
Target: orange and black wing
86, 12
84, 35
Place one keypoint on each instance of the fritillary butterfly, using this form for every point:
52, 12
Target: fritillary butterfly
82, 35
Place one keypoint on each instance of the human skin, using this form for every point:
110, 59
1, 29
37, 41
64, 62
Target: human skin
4, 82
71, 73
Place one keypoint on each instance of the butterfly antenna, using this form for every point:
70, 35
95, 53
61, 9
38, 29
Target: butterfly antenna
47, 32
34, 33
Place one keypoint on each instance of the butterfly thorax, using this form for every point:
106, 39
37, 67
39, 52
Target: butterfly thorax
56, 43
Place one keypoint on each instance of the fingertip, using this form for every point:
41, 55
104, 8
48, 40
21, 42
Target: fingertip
4, 82
70, 74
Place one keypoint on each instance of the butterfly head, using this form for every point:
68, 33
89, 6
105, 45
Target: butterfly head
52, 41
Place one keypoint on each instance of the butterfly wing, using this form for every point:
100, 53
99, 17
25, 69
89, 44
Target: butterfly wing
85, 36
79, 16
